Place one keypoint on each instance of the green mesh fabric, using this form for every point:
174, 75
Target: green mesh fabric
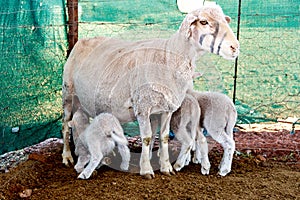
33, 46
33, 38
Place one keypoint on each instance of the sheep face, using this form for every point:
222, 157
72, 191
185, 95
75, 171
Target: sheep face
78, 124
209, 28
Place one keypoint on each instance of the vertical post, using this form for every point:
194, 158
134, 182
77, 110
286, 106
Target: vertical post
236, 60
72, 24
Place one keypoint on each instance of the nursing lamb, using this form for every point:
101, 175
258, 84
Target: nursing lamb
135, 80
218, 117
96, 140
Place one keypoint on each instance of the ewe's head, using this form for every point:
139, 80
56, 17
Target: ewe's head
209, 28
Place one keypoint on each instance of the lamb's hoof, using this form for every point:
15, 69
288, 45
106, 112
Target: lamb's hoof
149, 176
177, 167
82, 176
106, 161
224, 172
195, 160
204, 171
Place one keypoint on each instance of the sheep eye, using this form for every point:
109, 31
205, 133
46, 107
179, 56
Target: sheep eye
203, 22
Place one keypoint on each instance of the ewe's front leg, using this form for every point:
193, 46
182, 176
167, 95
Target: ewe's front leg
228, 145
165, 165
146, 135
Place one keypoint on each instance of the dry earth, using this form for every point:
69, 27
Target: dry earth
266, 166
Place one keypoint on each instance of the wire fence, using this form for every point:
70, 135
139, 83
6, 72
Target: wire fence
34, 47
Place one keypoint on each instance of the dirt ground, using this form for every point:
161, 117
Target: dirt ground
266, 166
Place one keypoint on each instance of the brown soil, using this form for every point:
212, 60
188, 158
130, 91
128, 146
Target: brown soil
267, 167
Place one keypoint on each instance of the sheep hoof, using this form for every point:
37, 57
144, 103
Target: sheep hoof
204, 171
169, 173
177, 167
149, 176
67, 157
224, 173
82, 176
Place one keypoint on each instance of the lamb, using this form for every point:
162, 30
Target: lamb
185, 124
96, 140
218, 117
138, 80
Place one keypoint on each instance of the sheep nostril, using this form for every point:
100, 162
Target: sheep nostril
233, 48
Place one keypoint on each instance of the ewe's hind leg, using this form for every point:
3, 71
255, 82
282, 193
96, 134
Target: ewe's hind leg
165, 165
201, 153
186, 145
228, 145
96, 157
67, 114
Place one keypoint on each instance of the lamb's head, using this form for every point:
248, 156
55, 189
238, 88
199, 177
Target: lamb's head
208, 28
79, 123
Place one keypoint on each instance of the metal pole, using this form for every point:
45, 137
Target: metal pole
72, 24
236, 60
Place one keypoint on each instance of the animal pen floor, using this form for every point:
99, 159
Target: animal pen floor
266, 167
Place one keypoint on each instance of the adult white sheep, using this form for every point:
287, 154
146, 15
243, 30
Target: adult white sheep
96, 140
134, 80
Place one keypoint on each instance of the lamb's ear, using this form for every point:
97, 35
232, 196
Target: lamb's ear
70, 124
228, 19
186, 26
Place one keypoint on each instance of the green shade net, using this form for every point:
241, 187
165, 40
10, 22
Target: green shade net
33, 52
33, 46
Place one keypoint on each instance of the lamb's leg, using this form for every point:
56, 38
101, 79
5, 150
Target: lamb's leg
165, 165
186, 145
201, 153
154, 125
96, 157
83, 158
125, 154
228, 145
67, 114
146, 135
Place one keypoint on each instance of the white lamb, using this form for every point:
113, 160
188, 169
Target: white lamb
218, 117
96, 140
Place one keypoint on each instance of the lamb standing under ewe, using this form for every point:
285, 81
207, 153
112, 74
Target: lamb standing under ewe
136, 80
218, 117
96, 140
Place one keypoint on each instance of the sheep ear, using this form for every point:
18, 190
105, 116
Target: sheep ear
228, 19
70, 124
186, 26
192, 20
